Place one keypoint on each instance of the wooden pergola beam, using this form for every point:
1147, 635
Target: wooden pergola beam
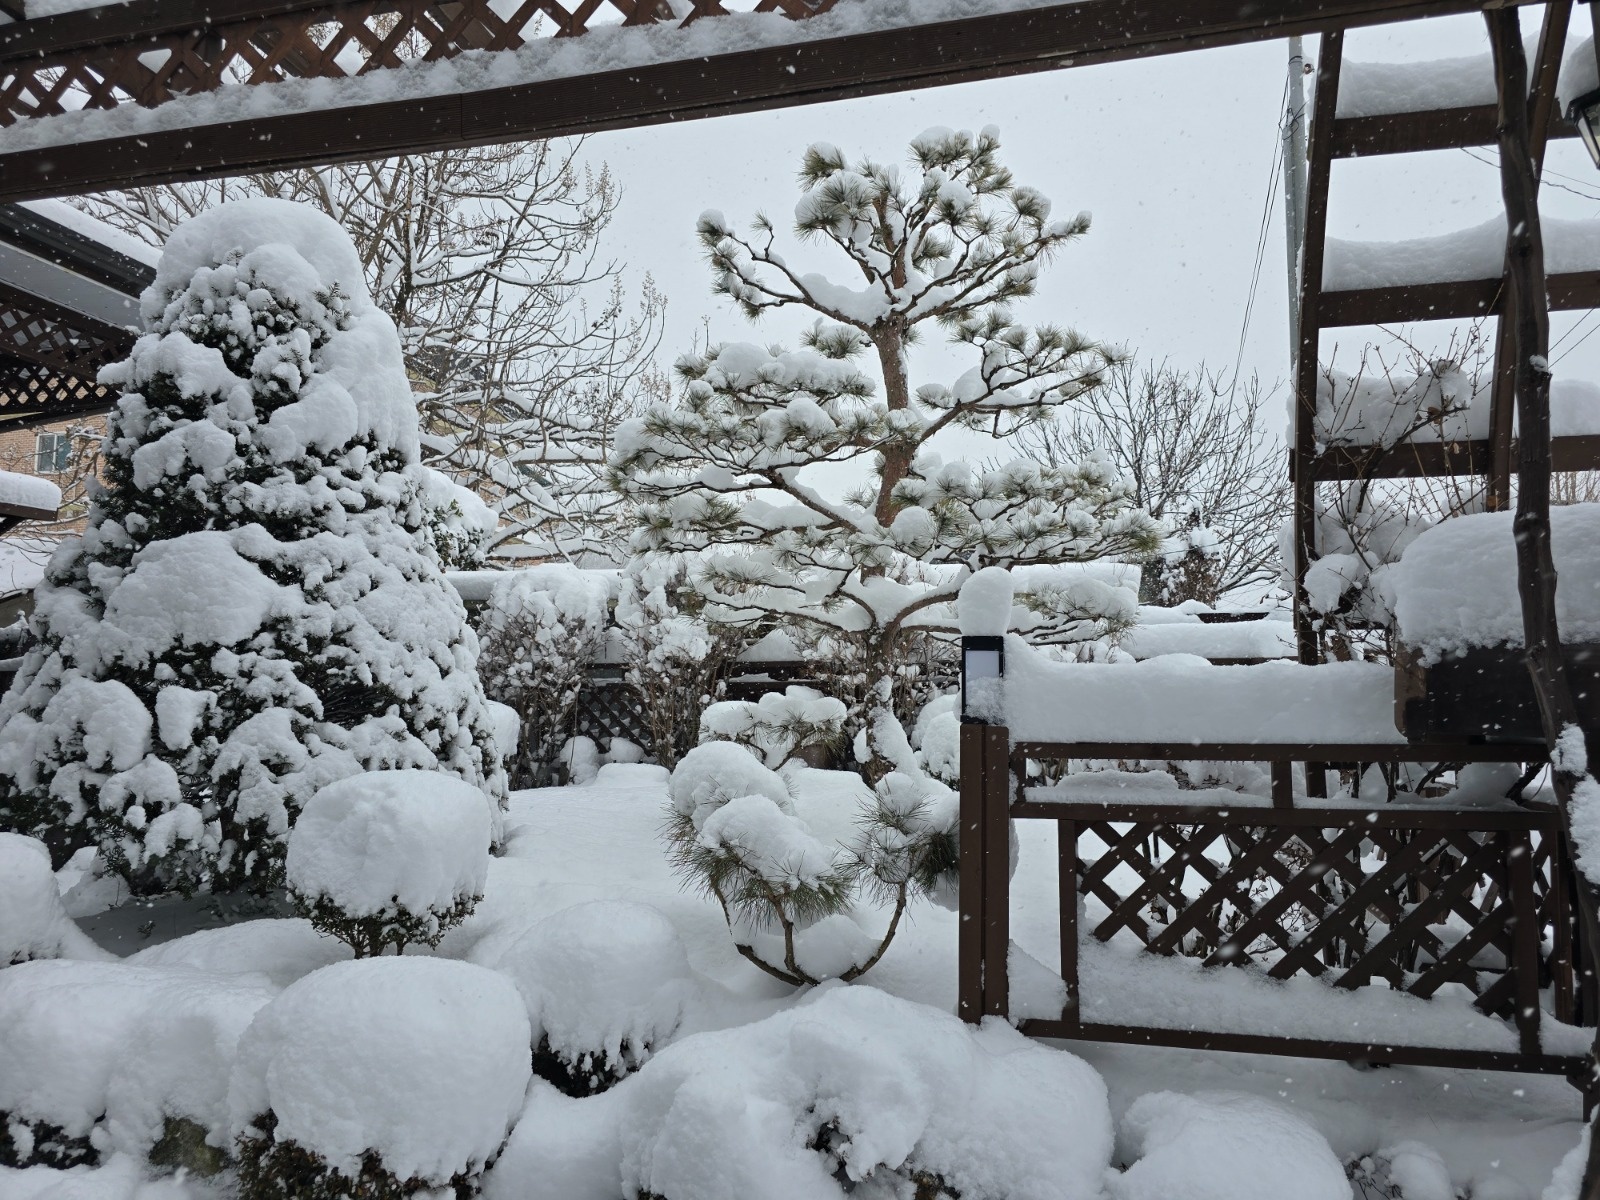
1458, 300
1417, 132
804, 72
1419, 460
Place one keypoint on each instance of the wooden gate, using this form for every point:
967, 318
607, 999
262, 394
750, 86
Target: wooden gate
1415, 900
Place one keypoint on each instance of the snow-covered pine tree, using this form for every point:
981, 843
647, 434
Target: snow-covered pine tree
726, 471
255, 609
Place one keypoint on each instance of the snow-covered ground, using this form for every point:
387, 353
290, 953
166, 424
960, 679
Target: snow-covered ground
1230, 1125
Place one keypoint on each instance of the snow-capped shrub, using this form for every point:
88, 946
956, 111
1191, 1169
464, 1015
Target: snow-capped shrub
779, 725
732, 831
33, 922
1224, 1146
937, 738
254, 609
138, 1046
606, 983
382, 1077
676, 659
860, 1093
579, 760
460, 524
542, 629
390, 858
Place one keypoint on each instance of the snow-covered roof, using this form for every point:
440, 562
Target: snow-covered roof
27, 495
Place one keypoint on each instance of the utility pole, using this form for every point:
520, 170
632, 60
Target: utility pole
1294, 186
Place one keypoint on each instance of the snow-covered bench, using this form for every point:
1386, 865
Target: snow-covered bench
1182, 708
1461, 672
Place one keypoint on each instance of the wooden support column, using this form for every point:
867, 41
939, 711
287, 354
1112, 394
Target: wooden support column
1305, 368
1067, 883
1502, 398
970, 902
996, 868
1536, 571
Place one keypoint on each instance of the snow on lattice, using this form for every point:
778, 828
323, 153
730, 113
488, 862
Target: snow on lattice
852, 1090
1119, 985
391, 843
1456, 585
1179, 698
1224, 1146
422, 1060
28, 491
609, 978
76, 1037
600, 49
33, 922
1466, 254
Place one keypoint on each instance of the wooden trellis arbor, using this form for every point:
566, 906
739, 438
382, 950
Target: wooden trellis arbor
149, 91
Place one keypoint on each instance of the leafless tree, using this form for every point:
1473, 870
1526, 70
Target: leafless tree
525, 345
1201, 456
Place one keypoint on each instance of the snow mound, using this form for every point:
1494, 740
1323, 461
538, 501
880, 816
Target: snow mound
123, 1177
416, 841
1224, 1146
28, 491
609, 978
1455, 587
81, 1040
851, 1091
282, 950
33, 922
983, 607
424, 1061
710, 775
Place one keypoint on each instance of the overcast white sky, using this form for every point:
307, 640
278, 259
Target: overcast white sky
1172, 157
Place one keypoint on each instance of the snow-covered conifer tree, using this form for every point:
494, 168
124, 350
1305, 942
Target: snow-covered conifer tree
952, 243
255, 609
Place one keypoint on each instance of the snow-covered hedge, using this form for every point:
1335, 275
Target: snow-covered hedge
255, 609
606, 984
379, 1077
390, 858
851, 1092
542, 629
136, 1048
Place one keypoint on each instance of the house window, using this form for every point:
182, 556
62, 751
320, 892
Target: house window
52, 453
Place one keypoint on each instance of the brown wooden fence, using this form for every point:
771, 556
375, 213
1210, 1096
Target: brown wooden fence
1412, 899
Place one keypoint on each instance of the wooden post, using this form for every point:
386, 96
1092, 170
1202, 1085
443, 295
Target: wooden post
1067, 885
1527, 306
969, 905
996, 868
1329, 58
1524, 939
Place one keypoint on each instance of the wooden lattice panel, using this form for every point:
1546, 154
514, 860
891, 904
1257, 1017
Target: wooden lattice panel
610, 708
318, 41
34, 395
1418, 907
54, 338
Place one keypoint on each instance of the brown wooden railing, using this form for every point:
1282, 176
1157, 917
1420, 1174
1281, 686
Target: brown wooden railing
1410, 898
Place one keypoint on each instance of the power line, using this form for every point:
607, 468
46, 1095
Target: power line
1262, 235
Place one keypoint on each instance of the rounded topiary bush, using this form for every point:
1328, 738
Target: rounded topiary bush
606, 983
379, 1078
33, 924
91, 1051
390, 858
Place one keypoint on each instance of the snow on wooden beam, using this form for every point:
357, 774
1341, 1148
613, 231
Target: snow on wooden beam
304, 110
1415, 132
1453, 300
1414, 460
